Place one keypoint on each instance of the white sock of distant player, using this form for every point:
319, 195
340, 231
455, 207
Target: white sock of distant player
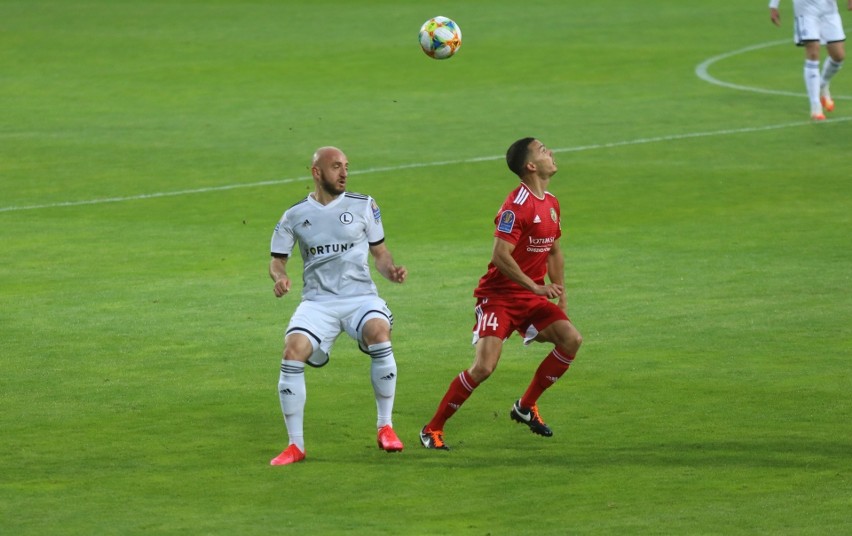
829, 69
292, 393
812, 80
383, 376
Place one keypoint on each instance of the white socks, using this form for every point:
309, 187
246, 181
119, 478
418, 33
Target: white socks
829, 69
812, 83
383, 377
292, 394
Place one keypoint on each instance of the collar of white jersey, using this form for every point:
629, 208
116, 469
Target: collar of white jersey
312, 200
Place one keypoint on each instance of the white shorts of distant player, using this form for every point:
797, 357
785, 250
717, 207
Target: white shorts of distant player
323, 321
815, 23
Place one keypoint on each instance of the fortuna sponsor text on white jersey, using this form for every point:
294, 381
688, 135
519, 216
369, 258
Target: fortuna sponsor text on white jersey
334, 241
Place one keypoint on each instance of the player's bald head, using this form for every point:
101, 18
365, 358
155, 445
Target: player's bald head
324, 154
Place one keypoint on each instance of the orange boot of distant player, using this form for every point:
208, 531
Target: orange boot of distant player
291, 454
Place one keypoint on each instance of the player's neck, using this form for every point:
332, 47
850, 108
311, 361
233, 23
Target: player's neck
324, 198
536, 185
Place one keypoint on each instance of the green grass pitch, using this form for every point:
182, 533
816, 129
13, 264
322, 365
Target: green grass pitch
147, 149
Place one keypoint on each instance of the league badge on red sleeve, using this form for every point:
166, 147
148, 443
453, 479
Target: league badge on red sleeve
507, 221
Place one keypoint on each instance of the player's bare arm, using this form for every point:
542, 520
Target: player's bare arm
385, 265
556, 272
775, 15
278, 273
503, 260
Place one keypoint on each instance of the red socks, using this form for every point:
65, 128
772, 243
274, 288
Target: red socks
550, 370
460, 389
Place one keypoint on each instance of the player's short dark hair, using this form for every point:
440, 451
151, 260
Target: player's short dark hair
516, 156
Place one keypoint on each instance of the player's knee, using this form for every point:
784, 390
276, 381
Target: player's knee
376, 338
481, 371
376, 331
812, 50
297, 347
577, 339
570, 341
295, 353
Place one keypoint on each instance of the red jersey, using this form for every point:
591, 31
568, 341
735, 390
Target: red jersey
533, 226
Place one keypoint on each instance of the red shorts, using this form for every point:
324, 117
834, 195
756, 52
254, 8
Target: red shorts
497, 317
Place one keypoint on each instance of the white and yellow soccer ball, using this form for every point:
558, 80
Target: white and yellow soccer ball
440, 38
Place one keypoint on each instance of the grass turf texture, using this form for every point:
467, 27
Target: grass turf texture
141, 341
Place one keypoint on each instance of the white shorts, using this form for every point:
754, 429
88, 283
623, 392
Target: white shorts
826, 28
323, 321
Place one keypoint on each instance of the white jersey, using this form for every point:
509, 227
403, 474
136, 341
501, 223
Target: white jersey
810, 8
814, 8
334, 241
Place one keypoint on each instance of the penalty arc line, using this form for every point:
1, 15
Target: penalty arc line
610, 145
702, 71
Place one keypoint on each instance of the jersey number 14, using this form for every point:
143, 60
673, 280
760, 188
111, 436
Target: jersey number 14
487, 320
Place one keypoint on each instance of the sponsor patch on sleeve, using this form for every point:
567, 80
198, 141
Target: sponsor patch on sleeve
507, 221
377, 214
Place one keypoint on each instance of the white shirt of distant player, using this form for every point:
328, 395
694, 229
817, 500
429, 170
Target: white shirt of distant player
334, 241
813, 8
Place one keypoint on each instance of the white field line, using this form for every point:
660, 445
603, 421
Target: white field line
702, 72
638, 141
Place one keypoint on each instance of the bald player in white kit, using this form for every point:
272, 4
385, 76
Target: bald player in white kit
336, 231
816, 23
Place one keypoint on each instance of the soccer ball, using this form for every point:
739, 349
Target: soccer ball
440, 38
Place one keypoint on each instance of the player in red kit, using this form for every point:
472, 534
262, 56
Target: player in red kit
513, 295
